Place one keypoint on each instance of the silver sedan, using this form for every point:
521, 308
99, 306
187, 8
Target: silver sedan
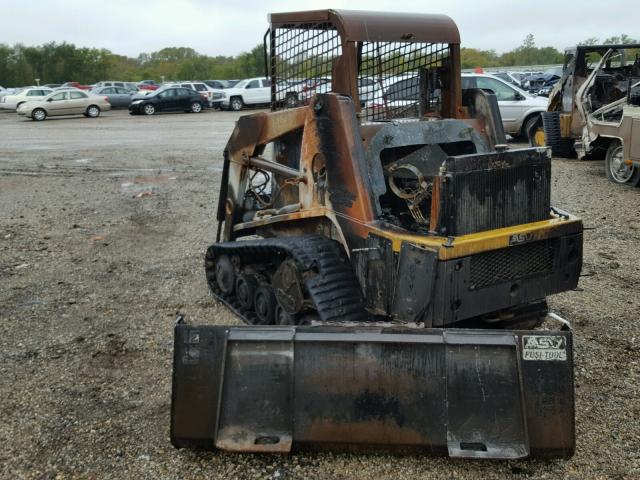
66, 102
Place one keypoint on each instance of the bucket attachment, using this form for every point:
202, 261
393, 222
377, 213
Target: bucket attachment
465, 393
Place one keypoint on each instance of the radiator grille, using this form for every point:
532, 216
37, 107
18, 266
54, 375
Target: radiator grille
497, 190
511, 263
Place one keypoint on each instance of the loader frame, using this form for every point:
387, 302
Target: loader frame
391, 256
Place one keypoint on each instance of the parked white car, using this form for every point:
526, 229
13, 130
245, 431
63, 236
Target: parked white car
11, 102
8, 91
252, 91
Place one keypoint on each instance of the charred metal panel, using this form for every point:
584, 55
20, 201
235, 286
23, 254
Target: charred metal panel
485, 402
255, 396
375, 267
505, 278
471, 393
548, 397
349, 192
494, 190
416, 279
484, 107
196, 384
370, 393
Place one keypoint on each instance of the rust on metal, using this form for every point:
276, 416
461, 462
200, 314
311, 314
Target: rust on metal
377, 193
357, 26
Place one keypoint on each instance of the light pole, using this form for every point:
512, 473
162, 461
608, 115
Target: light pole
37, 81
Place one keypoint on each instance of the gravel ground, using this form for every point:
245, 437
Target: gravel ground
103, 227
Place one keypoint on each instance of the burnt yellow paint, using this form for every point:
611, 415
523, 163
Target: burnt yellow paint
457, 247
474, 243
565, 125
539, 139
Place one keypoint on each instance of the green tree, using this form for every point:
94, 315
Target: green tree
590, 41
471, 57
623, 39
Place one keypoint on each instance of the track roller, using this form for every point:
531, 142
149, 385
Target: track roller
265, 303
225, 274
282, 317
246, 286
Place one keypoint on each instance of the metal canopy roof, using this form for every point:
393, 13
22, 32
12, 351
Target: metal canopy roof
365, 26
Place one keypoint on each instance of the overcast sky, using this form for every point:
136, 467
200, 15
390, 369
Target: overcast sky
228, 27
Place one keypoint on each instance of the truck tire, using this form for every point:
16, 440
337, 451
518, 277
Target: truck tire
617, 171
560, 147
236, 104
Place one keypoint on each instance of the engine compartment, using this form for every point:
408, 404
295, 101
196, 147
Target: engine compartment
409, 173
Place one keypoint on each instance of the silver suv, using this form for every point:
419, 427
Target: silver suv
519, 109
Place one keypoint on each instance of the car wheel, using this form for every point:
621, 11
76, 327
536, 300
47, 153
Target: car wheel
38, 114
617, 170
196, 107
291, 100
149, 109
236, 104
93, 111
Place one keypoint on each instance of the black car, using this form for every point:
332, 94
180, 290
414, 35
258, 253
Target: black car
171, 99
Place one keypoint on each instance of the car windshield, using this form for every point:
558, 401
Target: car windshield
240, 84
557, 71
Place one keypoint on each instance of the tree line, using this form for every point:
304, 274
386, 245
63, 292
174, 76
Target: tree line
61, 62
529, 54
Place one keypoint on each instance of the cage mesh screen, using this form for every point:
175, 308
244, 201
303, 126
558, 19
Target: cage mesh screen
395, 79
400, 80
301, 60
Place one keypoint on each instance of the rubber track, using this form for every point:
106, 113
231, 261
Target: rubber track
326, 271
560, 147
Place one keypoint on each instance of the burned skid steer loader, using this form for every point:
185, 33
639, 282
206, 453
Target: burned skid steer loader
390, 255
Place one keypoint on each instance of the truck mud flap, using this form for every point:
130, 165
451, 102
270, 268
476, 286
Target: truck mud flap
465, 393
